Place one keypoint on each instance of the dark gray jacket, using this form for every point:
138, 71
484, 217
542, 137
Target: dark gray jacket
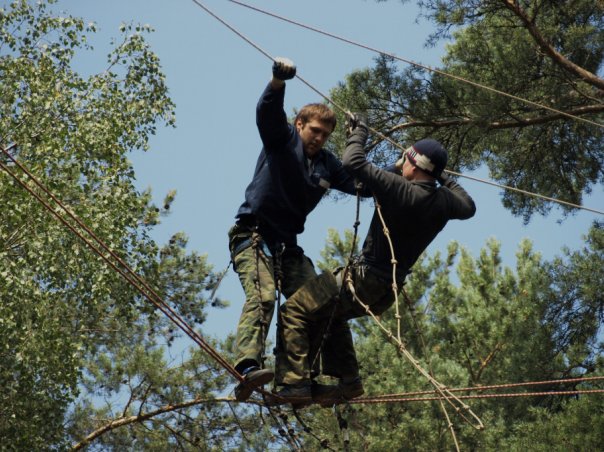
415, 212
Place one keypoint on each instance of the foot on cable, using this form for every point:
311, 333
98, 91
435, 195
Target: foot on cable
346, 389
253, 378
351, 388
297, 394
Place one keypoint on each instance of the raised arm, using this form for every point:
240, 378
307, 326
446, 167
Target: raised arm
271, 119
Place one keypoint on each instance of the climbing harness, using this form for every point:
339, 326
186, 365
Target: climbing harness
278, 272
341, 275
343, 425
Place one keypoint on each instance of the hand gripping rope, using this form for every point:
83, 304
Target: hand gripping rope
386, 138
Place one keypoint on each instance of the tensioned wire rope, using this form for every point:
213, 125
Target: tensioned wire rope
105, 252
439, 388
381, 135
416, 64
406, 396
462, 409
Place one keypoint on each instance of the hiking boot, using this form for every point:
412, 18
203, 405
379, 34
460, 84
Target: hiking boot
351, 389
299, 395
327, 395
253, 377
295, 393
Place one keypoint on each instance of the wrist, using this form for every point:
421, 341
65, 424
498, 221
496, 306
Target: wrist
277, 83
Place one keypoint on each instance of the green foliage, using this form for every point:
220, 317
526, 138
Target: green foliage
473, 322
337, 252
551, 55
70, 325
86, 360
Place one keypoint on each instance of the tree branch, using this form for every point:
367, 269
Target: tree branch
126, 420
546, 47
497, 125
485, 362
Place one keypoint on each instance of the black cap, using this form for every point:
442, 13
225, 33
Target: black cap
428, 155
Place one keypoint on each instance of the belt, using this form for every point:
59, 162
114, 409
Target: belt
246, 243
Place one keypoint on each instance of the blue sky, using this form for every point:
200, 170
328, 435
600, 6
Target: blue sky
215, 79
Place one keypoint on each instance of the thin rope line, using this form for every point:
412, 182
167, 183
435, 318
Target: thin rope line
265, 53
398, 317
422, 66
371, 401
376, 132
128, 274
519, 190
499, 386
445, 394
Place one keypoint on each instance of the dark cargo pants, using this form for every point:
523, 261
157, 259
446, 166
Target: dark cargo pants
255, 267
307, 314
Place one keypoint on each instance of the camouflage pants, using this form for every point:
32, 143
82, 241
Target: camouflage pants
320, 310
256, 268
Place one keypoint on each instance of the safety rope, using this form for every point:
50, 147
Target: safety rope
444, 394
381, 135
256, 245
99, 247
278, 272
384, 399
498, 386
419, 65
424, 348
460, 407
324, 442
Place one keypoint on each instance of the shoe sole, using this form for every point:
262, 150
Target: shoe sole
353, 394
244, 390
296, 402
328, 401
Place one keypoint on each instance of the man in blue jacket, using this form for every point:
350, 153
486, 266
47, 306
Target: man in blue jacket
292, 174
415, 209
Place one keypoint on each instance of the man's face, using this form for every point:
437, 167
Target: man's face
314, 134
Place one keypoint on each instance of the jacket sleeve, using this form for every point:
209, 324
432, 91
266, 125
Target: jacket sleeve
275, 132
342, 180
462, 205
375, 180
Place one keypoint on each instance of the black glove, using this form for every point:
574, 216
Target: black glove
443, 178
284, 68
354, 120
356, 129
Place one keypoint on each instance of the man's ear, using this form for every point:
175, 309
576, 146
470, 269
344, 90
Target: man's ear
415, 171
299, 124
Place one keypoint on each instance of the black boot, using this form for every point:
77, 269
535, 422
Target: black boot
253, 377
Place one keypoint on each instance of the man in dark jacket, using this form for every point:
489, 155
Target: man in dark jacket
415, 210
292, 174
